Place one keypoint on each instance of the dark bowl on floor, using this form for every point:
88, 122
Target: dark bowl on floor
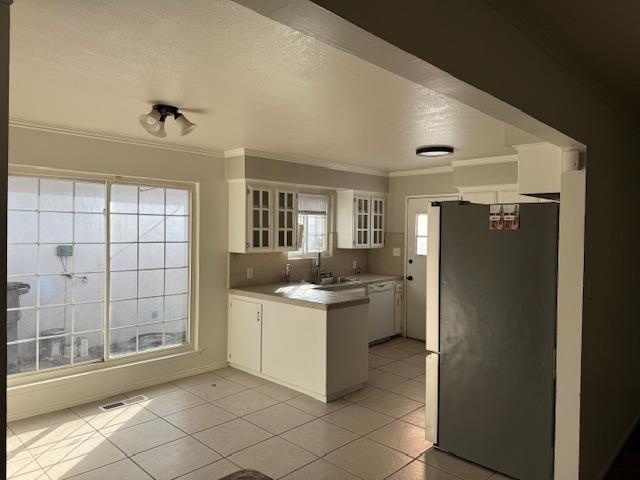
246, 475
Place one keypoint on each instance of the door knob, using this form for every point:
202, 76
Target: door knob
410, 277
410, 260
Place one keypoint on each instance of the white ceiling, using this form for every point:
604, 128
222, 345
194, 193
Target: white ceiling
97, 65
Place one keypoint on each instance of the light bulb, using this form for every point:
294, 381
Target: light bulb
185, 125
151, 122
160, 132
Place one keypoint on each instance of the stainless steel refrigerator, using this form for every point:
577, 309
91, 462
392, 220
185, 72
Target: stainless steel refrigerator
491, 329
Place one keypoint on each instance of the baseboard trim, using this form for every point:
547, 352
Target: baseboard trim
53, 406
318, 396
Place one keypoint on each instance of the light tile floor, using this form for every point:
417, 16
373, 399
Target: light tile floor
209, 425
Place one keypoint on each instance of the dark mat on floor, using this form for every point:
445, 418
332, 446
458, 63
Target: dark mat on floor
246, 475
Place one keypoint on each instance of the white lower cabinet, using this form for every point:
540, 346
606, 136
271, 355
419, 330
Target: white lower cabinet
321, 353
293, 339
245, 334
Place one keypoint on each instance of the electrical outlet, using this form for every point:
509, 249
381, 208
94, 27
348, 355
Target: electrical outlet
249, 273
396, 252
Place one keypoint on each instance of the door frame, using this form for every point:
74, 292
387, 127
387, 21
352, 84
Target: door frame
435, 197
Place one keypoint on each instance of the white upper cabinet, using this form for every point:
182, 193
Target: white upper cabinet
539, 168
377, 222
360, 220
262, 219
286, 209
361, 217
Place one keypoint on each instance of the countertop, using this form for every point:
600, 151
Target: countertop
305, 295
373, 277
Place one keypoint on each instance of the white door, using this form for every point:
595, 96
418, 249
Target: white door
245, 334
416, 264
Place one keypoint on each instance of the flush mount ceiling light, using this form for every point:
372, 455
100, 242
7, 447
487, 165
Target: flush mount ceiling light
434, 151
153, 122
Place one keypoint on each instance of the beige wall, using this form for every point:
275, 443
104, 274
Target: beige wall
400, 187
53, 150
382, 260
270, 267
491, 174
297, 173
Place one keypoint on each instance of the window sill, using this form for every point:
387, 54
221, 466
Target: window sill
308, 256
81, 371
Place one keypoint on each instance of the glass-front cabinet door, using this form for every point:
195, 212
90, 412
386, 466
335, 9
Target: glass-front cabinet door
286, 220
260, 207
377, 222
362, 212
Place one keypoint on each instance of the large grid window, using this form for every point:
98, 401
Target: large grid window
57, 274
149, 289
313, 224
55, 267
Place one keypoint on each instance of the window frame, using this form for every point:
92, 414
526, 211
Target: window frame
191, 344
417, 235
299, 254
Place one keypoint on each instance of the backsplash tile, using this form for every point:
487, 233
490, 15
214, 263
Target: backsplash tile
270, 267
381, 260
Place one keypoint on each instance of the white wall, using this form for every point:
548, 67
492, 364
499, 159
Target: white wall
75, 153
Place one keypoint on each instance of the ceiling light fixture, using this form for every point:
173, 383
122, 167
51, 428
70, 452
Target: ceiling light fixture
153, 122
434, 151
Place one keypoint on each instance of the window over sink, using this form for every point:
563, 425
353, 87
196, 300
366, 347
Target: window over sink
313, 225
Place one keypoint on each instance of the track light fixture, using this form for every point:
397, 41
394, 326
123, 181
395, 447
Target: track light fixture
153, 122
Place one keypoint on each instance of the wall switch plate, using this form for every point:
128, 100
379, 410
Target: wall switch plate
396, 252
249, 273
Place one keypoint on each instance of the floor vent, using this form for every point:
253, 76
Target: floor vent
123, 403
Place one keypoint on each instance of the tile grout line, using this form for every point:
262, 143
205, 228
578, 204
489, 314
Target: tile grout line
278, 402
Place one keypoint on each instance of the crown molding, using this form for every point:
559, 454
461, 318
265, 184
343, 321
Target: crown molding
485, 161
423, 171
238, 152
43, 127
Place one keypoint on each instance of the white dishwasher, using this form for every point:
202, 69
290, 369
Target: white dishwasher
381, 311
